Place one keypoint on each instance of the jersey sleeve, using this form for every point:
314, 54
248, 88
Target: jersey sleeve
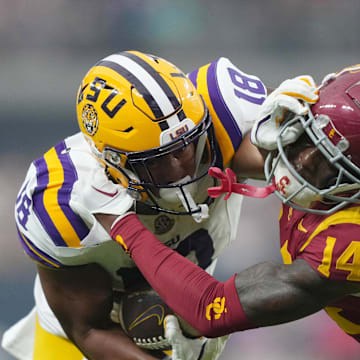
55, 224
333, 249
233, 99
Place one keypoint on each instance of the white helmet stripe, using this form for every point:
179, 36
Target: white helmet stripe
148, 82
163, 84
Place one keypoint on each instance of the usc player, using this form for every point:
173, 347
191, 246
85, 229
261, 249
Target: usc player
313, 165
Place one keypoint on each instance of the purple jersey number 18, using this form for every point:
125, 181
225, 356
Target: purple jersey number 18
248, 84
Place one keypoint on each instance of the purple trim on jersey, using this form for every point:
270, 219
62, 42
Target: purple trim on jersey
64, 193
41, 259
193, 77
42, 175
221, 108
261, 122
63, 197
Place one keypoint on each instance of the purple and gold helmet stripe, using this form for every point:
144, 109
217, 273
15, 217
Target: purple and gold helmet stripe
36, 254
161, 99
154, 107
226, 130
55, 178
158, 78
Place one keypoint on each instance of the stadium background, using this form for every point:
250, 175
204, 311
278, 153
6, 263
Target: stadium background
46, 47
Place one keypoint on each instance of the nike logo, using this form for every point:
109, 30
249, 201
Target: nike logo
156, 310
301, 227
104, 192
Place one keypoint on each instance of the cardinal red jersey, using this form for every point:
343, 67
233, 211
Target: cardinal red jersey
331, 246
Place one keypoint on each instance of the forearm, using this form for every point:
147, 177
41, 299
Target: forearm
109, 344
210, 306
274, 293
248, 161
262, 295
82, 298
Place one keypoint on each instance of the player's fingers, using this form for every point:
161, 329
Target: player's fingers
302, 87
327, 78
172, 328
290, 103
309, 97
307, 79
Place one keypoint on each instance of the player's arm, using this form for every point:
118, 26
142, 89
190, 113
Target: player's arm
281, 103
265, 294
248, 161
272, 293
81, 298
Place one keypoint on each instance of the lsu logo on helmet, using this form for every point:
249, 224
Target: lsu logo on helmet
90, 119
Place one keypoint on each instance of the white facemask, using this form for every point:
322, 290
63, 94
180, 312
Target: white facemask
287, 185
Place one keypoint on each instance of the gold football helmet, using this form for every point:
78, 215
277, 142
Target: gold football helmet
135, 109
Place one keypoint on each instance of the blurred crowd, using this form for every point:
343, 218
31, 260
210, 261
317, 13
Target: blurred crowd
46, 46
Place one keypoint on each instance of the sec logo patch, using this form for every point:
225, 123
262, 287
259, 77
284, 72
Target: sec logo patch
163, 224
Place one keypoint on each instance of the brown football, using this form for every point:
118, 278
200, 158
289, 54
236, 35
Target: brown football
141, 315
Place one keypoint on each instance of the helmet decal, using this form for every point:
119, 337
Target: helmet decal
163, 224
174, 132
90, 119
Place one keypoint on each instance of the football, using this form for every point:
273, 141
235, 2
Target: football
141, 314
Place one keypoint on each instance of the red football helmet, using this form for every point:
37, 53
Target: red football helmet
333, 125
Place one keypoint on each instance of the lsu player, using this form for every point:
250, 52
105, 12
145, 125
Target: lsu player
149, 134
314, 165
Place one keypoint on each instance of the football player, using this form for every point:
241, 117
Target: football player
314, 165
149, 134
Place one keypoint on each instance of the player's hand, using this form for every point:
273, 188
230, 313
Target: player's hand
327, 78
189, 349
102, 196
287, 99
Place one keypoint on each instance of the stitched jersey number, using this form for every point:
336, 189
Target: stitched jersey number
349, 260
22, 208
246, 85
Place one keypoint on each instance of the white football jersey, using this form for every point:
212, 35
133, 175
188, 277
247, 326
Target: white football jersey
57, 227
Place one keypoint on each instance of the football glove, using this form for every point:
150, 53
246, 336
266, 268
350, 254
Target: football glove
286, 100
327, 78
189, 349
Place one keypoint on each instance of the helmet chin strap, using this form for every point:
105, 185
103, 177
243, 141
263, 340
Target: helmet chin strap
184, 193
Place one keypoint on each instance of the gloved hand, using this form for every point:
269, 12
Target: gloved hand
327, 78
191, 349
288, 97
